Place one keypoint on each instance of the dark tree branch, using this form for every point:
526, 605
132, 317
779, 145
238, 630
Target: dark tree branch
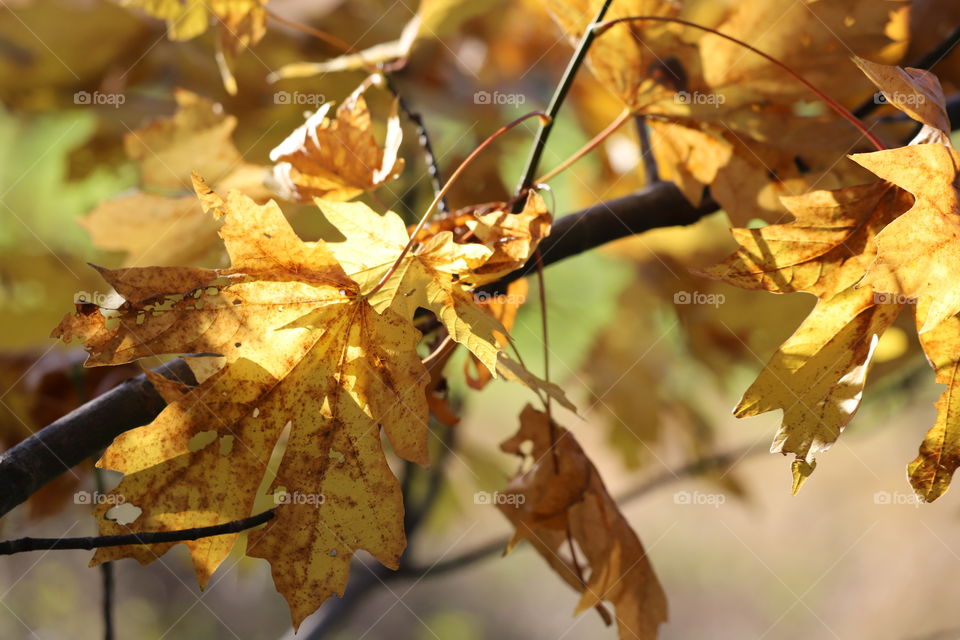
80, 434
655, 206
9, 547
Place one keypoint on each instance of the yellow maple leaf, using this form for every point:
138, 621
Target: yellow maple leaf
732, 117
303, 350
337, 158
562, 494
919, 252
817, 376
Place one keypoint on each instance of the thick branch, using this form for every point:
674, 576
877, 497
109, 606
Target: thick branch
9, 547
81, 434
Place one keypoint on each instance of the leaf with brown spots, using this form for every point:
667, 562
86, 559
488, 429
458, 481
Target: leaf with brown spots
304, 354
562, 496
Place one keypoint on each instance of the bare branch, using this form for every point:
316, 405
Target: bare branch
81, 434
9, 547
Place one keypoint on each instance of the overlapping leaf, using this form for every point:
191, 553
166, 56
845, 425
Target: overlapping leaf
337, 158
733, 123
864, 251
161, 222
438, 275
817, 376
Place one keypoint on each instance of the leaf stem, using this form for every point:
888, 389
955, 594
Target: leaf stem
316, 33
446, 187
559, 95
600, 29
585, 149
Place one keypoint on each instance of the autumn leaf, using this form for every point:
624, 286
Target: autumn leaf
931, 471
919, 251
916, 92
817, 376
337, 158
161, 222
731, 117
562, 495
303, 351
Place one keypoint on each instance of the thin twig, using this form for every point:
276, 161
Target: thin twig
650, 171
10, 547
559, 96
433, 168
323, 36
106, 573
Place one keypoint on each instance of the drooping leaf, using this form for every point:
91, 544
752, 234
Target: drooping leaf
931, 471
817, 376
562, 495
